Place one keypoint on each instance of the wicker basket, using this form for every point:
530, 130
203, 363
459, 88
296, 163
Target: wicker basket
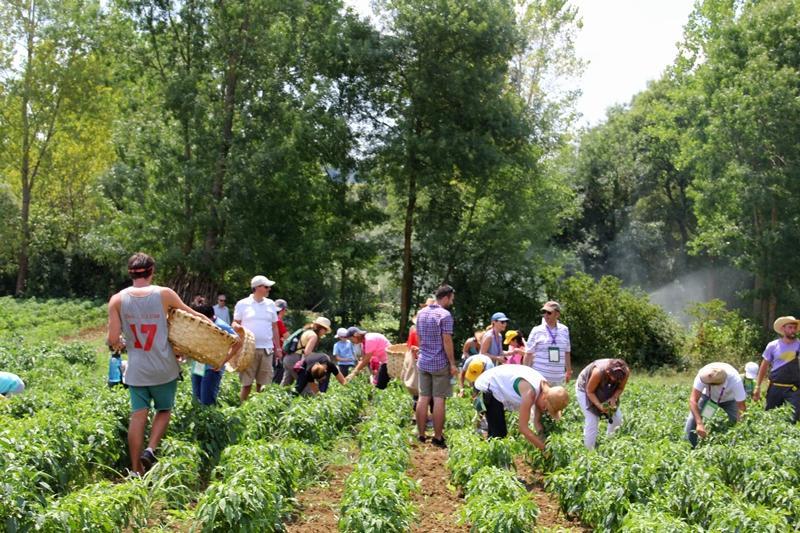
197, 338
394, 359
242, 360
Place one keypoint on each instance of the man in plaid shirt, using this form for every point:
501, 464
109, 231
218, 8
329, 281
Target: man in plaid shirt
436, 362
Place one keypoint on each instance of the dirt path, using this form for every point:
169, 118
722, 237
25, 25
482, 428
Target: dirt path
437, 502
550, 515
318, 509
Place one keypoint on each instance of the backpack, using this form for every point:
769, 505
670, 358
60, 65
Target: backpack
292, 342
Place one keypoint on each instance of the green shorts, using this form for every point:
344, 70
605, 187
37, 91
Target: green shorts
162, 397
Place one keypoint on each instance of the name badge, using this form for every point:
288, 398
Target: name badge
553, 354
708, 410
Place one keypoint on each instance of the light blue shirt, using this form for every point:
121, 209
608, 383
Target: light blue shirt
200, 368
10, 384
343, 352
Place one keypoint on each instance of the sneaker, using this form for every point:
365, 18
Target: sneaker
148, 459
422, 438
439, 443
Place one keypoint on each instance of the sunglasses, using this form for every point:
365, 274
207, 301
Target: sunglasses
222, 301
547, 313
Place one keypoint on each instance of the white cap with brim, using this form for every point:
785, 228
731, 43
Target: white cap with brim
751, 370
259, 281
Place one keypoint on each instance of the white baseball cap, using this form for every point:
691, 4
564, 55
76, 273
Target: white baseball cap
341, 333
751, 370
258, 281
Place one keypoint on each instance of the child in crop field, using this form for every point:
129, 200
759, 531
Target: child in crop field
343, 352
115, 369
10, 384
749, 378
516, 347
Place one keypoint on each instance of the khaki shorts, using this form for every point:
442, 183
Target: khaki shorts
260, 370
435, 384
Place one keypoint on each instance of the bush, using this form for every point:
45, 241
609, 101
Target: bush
718, 334
606, 320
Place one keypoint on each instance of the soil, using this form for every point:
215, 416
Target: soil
550, 514
89, 334
437, 500
318, 505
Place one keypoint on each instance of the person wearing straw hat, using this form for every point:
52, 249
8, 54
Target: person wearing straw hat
373, 349
781, 361
308, 343
492, 340
598, 389
716, 386
519, 388
258, 314
749, 378
137, 320
549, 348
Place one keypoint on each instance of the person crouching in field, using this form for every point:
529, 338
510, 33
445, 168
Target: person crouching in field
137, 319
717, 385
314, 373
598, 389
519, 388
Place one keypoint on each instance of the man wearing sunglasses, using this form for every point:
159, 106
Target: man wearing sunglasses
221, 309
548, 347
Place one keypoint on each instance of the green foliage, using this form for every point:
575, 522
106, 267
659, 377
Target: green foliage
718, 334
469, 453
47, 320
606, 320
496, 501
104, 506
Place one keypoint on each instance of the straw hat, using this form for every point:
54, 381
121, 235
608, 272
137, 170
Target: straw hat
557, 399
324, 322
782, 321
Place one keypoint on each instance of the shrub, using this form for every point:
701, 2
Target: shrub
606, 320
719, 334
496, 501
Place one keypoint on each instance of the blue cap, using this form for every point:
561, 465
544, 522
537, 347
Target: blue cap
354, 330
499, 317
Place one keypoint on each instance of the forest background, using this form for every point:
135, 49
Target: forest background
361, 163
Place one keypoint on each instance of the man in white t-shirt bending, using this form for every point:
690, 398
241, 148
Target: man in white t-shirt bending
258, 314
716, 386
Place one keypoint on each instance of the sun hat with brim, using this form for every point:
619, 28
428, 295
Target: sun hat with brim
713, 375
557, 398
258, 281
551, 306
341, 333
324, 322
751, 370
782, 321
474, 370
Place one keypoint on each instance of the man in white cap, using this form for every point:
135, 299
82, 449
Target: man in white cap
716, 386
780, 359
519, 388
258, 314
549, 350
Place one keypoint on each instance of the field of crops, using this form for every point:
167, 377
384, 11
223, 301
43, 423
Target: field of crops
243, 468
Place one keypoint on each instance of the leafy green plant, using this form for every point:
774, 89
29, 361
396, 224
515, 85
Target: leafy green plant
103, 506
496, 501
716, 331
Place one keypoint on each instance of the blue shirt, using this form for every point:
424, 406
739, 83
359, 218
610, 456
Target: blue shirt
10, 383
343, 352
115, 370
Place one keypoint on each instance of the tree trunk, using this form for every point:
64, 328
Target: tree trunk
408, 280
25, 163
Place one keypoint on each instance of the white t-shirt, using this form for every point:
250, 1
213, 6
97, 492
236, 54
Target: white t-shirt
258, 317
503, 382
731, 389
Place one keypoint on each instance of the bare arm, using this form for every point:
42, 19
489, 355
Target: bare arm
528, 399
486, 343
276, 341
340, 378
762, 373
114, 339
694, 397
311, 346
620, 388
447, 340
568, 363
591, 387
741, 409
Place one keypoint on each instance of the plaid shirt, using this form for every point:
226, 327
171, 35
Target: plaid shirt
432, 323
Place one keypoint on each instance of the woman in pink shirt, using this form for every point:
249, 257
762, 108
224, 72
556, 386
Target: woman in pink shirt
373, 353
